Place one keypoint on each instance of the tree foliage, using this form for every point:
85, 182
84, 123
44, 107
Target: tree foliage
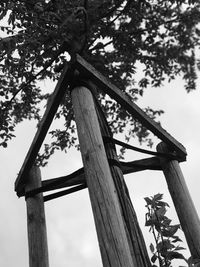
118, 37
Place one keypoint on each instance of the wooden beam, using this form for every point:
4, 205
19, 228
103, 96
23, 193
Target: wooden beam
113, 242
104, 84
183, 203
65, 192
135, 238
37, 234
78, 177
152, 163
65, 181
44, 125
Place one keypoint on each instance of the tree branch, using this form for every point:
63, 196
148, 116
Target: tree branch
113, 9
86, 24
121, 12
100, 45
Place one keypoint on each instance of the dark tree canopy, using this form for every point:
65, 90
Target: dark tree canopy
159, 37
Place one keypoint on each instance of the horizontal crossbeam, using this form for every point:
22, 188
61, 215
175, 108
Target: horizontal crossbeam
102, 82
77, 178
65, 192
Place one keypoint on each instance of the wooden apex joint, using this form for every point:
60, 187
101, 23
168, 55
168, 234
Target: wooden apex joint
162, 147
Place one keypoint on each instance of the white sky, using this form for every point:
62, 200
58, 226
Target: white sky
71, 233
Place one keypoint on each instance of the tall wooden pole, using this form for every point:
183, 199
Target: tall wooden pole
37, 235
183, 203
134, 233
114, 246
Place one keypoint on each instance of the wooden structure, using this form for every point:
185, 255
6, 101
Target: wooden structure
120, 239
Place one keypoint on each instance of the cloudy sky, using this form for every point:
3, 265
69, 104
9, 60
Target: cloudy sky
71, 233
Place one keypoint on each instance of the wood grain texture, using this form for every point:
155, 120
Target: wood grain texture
133, 231
78, 177
111, 234
152, 163
183, 203
37, 235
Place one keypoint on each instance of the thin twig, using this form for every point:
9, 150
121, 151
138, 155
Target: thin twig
102, 46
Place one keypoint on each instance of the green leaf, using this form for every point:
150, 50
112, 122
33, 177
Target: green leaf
151, 222
171, 230
164, 246
152, 248
161, 212
154, 258
4, 144
162, 204
175, 255
166, 222
157, 197
176, 239
148, 200
179, 248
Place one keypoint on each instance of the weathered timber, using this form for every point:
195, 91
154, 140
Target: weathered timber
152, 163
78, 177
107, 139
65, 192
114, 246
133, 231
104, 84
75, 178
37, 235
51, 109
183, 203
79, 182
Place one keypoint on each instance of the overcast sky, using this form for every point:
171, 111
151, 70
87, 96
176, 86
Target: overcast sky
71, 233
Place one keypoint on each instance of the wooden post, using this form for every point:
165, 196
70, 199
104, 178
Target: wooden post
111, 233
182, 201
133, 231
37, 236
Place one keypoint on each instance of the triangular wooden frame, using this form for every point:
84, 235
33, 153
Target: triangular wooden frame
105, 84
